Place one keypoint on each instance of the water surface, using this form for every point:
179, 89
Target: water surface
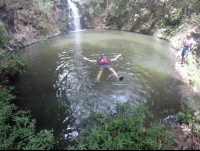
59, 84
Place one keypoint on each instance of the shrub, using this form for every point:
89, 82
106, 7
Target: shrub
122, 130
194, 3
114, 11
187, 113
11, 64
17, 129
197, 18
63, 25
45, 5
41, 39
179, 27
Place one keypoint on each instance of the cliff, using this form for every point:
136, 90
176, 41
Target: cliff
131, 15
29, 21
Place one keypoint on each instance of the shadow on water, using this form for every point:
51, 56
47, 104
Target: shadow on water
60, 86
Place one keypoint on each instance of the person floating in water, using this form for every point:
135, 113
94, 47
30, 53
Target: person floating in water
187, 47
104, 63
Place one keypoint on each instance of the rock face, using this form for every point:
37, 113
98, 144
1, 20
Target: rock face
132, 15
27, 23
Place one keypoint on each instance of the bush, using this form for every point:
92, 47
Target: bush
45, 5
197, 18
194, 3
179, 27
21, 133
122, 130
11, 64
187, 113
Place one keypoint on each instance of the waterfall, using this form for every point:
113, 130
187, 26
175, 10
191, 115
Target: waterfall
74, 13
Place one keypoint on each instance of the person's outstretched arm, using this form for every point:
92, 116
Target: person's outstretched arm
194, 44
89, 60
116, 57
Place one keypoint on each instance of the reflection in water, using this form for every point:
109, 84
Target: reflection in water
69, 72
60, 86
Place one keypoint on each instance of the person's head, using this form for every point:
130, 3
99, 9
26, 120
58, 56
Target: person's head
103, 56
189, 36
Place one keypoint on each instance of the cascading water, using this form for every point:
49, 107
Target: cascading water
74, 15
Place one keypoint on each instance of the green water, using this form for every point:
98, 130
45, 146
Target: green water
60, 85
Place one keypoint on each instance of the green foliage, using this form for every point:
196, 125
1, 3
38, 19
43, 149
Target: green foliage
186, 115
21, 133
64, 16
98, 9
91, 11
63, 25
122, 130
194, 3
114, 11
179, 26
94, 9
161, 23
189, 116
11, 64
176, 17
40, 24
197, 129
3, 39
45, 5
175, 13
102, 15
193, 71
197, 18
41, 39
